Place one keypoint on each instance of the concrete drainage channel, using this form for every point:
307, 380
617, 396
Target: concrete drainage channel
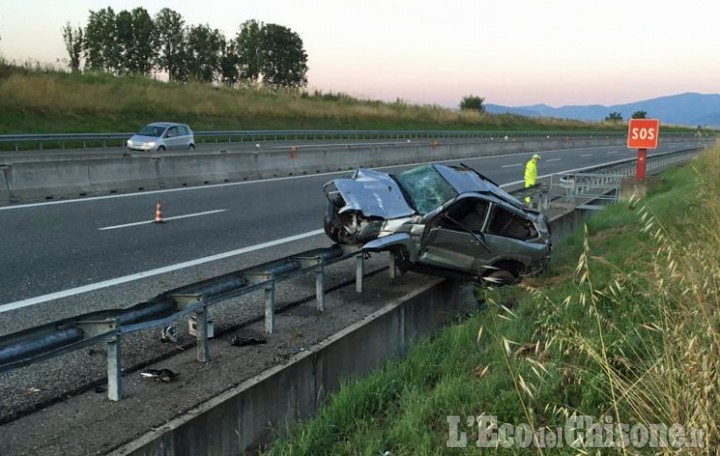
38, 180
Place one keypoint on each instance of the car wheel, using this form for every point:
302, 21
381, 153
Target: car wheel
161, 148
191, 147
500, 278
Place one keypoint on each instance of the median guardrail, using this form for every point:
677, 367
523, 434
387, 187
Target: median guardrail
61, 141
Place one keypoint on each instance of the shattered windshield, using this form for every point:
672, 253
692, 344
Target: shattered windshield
426, 188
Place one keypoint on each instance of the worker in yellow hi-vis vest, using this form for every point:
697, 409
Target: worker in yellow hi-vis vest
531, 174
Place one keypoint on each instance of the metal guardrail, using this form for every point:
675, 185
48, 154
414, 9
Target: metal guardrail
54, 339
105, 140
603, 184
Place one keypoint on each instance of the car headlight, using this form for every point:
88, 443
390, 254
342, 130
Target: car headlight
150, 144
129, 143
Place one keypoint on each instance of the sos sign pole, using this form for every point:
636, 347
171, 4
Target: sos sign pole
643, 135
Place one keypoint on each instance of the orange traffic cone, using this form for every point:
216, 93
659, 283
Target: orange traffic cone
158, 214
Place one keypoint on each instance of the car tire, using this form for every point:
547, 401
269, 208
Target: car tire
500, 278
161, 148
191, 147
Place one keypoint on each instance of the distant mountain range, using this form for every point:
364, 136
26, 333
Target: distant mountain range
684, 109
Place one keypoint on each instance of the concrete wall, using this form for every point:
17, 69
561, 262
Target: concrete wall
37, 180
241, 418
5, 194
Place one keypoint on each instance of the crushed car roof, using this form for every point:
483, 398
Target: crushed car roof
377, 194
466, 180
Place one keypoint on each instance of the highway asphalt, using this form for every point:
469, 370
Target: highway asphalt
50, 249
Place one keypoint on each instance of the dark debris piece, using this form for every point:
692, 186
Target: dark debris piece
245, 341
160, 375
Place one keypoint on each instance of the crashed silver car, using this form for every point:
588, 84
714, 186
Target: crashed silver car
449, 221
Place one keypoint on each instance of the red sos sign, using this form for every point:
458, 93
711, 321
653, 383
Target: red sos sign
643, 133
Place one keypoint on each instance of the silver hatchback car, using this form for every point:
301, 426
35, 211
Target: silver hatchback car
163, 136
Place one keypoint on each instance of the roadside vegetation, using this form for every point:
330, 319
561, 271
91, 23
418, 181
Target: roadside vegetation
37, 100
625, 325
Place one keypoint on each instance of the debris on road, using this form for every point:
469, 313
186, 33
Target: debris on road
245, 341
162, 375
169, 334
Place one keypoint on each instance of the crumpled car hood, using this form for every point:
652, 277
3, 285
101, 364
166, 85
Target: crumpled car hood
374, 194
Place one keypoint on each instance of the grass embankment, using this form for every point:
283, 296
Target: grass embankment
43, 101
625, 325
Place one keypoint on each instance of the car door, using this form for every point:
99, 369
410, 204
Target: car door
172, 138
453, 238
183, 137
510, 235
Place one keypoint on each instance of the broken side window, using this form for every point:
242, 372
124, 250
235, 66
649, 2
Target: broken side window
469, 213
508, 224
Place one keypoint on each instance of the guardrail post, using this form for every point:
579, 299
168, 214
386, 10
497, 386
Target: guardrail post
320, 287
203, 345
270, 307
114, 369
359, 271
391, 266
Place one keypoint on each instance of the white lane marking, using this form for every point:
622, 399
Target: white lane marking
510, 166
553, 159
272, 179
586, 155
177, 217
153, 272
208, 259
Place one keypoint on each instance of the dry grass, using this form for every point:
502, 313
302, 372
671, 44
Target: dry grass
649, 342
34, 92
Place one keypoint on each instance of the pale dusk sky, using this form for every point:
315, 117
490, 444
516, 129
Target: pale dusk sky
512, 52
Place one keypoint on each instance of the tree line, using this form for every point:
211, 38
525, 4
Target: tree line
134, 43
617, 117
